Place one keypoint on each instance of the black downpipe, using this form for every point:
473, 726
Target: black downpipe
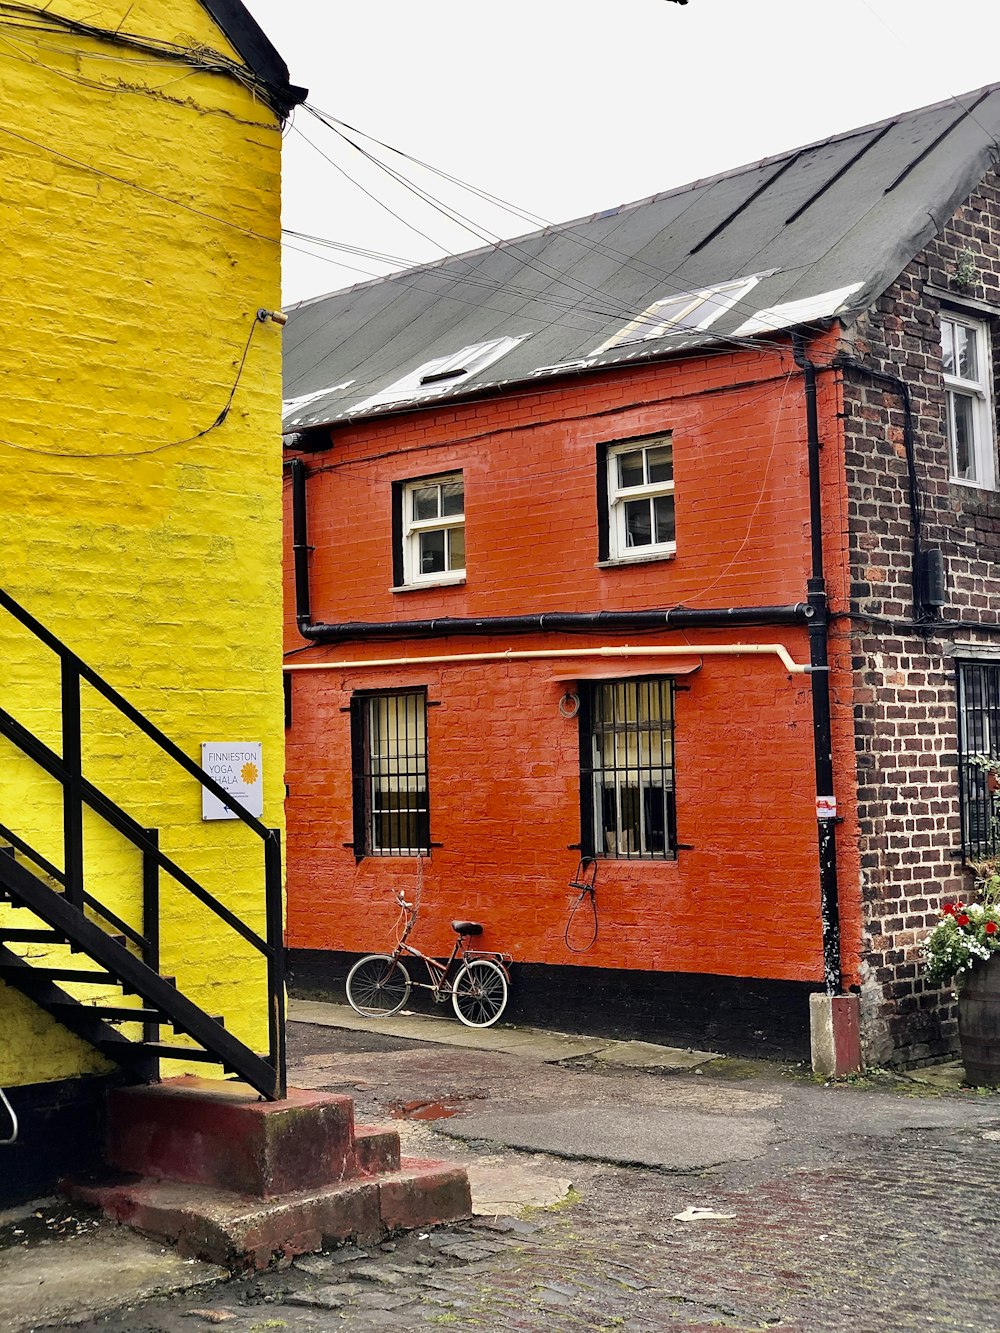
300, 543
819, 659
921, 612
678, 617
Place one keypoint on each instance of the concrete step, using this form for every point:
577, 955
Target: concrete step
206, 1131
240, 1181
242, 1233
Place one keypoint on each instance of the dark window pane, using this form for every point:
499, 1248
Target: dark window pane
630, 468
425, 502
432, 552
452, 497
963, 436
661, 462
638, 523
663, 511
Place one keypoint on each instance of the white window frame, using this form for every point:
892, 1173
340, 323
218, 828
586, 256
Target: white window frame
618, 495
413, 528
979, 392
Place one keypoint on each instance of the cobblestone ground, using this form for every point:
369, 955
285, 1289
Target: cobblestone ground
897, 1233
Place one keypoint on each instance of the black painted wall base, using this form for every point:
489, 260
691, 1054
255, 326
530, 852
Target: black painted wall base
735, 1015
61, 1133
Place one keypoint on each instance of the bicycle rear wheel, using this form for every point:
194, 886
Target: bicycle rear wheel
479, 994
377, 986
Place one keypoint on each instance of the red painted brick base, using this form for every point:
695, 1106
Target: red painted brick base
240, 1182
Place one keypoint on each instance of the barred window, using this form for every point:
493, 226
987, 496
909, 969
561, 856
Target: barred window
389, 743
979, 738
627, 768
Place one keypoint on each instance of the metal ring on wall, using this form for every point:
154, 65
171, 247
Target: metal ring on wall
569, 704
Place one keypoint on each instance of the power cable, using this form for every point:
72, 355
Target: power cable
155, 448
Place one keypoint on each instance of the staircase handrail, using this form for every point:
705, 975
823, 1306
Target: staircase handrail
79, 791
148, 728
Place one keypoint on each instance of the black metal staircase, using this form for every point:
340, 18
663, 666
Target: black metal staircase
84, 943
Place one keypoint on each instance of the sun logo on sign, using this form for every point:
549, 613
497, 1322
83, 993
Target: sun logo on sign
249, 773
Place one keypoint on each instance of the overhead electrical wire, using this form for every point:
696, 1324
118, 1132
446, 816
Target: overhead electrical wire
640, 266
153, 448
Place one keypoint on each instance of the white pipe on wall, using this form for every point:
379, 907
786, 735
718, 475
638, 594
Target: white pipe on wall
675, 650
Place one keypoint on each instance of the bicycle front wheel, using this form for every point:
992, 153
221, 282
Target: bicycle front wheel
479, 995
377, 986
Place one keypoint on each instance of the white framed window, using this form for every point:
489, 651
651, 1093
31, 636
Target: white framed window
641, 498
433, 529
682, 312
966, 362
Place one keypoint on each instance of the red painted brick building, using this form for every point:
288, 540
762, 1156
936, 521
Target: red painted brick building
628, 540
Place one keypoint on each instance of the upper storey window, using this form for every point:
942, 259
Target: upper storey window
640, 499
965, 358
432, 536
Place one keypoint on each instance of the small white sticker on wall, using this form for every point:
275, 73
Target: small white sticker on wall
236, 766
826, 807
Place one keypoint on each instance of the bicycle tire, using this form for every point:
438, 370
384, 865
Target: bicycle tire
479, 993
378, 985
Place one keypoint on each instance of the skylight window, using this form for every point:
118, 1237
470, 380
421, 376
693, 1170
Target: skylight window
683, 312
442, 374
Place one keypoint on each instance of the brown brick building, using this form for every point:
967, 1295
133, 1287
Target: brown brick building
663, 537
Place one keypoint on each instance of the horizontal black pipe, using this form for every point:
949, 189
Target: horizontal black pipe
678, 617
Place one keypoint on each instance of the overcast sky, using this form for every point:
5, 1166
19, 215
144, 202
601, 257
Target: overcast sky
567, 107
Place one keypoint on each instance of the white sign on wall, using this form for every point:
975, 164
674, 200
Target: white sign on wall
235, 765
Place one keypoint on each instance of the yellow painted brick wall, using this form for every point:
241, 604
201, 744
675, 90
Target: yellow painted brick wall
139, 216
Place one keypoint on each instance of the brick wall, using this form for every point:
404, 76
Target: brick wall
904, 685
504, 765
141, 235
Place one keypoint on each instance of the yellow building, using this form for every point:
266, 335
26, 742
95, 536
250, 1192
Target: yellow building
140, 481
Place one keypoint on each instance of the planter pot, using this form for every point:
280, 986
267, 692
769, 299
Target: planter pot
979, 1024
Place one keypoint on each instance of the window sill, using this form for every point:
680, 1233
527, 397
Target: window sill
617, 561
973, 485
446, 581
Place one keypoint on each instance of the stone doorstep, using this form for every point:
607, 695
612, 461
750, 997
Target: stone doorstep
221, 1227
210, 1132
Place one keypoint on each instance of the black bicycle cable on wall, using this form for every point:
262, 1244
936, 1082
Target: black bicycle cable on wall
585, 882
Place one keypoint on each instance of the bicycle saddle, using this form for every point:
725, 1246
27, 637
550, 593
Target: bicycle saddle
466, 927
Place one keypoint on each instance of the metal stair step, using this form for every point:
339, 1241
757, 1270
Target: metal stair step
163, 1050
115, 1013
29, 935
45, 973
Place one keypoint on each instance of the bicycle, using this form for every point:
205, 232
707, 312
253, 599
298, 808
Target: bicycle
378, 985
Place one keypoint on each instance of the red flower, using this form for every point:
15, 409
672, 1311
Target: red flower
990, 927
948, 909
959, 906
962, 919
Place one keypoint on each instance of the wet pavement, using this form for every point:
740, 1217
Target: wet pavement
762, 1200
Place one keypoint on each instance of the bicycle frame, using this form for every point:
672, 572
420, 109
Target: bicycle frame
438, 980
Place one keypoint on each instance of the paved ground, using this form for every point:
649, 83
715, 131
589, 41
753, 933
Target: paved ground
870, 1207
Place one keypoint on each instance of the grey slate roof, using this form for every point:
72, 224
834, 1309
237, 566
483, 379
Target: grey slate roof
836, 220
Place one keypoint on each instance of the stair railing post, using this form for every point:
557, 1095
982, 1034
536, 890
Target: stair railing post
151, 918
72, 759
275, 959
